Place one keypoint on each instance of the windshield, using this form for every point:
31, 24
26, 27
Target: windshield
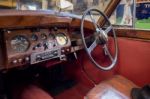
71, 6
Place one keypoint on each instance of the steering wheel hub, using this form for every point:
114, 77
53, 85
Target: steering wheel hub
102, 37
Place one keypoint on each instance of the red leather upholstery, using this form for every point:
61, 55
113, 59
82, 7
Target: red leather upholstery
33, 92
117, 87
133, 62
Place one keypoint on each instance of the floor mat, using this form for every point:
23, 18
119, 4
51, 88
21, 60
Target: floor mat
59, 87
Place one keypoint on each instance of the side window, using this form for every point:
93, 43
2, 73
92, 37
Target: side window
8, 4
74, 6
132, 13
123, 15
142, 14
70, 6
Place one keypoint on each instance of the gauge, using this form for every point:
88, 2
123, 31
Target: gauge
43, 36
51, 36
34, 37
61, 39
20, 43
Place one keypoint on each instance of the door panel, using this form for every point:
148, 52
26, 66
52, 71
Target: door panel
133, 62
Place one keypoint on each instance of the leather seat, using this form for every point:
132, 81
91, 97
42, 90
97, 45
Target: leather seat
32, 92
117, 87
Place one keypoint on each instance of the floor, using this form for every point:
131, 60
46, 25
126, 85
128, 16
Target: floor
58, 81
76, 92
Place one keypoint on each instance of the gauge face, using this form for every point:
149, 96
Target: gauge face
43, 36
61, 39
34, 37
51, 36
20, 43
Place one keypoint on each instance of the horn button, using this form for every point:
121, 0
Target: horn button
102, 37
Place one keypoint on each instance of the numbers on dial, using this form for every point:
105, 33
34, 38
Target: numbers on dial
61, 39
20, 43
43, 36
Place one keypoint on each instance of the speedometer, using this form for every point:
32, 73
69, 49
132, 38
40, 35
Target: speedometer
19, 43
61, 39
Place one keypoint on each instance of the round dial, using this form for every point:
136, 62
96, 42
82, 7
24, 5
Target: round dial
34, 37
43, 36
51, 36
61, 39
20, 43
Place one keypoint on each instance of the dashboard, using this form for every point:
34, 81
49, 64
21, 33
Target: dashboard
28, 38
34, 45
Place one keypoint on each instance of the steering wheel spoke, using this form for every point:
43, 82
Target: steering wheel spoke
107, 52
93, 21
92, 46
108, 29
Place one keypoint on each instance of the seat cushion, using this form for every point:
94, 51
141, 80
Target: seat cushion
117, 87
32, 92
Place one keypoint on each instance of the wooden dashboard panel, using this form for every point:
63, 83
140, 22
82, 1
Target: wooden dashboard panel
15, 58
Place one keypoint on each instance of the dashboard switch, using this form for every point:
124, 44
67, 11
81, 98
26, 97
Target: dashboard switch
20, 60
55, 29
27, 59
62, 51
14, 61
45, 45
38, 57
34, 37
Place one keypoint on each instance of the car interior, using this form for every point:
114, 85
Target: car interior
49, 54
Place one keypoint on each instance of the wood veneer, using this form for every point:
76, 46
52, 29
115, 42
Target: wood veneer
27, 33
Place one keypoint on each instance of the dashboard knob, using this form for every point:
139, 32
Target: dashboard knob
27, 59
34, 37
14, 61
68, 50
39, 45
55, 28
34, 48
38, 57
45, 45
62, 51
54, 45
20, 60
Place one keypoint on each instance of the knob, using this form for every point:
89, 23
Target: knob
34, 37
55, 52
27, 59
68, 50
45, 45
62, 51
39, 45
14, 61
34, 48
20, 60
38, 57
55, 28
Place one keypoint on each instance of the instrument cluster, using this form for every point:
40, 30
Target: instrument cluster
21, 43
36, 45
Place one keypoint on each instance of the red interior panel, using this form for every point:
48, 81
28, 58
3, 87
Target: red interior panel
133, 62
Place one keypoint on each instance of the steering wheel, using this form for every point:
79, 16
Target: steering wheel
100, 38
